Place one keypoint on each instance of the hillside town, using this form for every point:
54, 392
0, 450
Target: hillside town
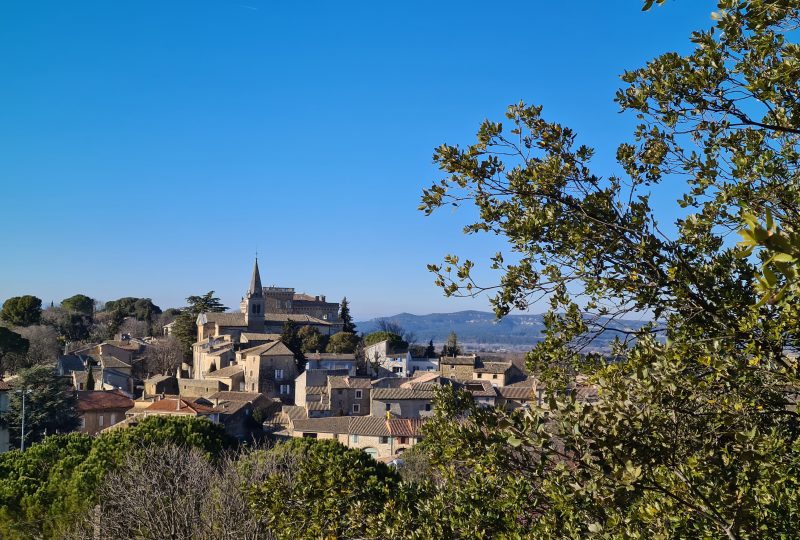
243, 375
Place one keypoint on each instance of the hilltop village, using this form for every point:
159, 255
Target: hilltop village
254, 372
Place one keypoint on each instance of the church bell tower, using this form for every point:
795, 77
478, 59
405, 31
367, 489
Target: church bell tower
253, 303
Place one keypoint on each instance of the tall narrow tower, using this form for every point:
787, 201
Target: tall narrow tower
253, 303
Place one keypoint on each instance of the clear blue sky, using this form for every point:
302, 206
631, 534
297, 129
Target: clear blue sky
149, 148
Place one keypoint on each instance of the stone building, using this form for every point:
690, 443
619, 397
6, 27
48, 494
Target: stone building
264, 310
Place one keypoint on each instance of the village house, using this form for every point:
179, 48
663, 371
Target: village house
231, 377
380, 438
99, 409
332, 361
160, 384
269, 369
414, 400
458, 367
238, 412
332, 393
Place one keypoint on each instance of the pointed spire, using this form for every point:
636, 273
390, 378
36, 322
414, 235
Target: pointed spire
255, 282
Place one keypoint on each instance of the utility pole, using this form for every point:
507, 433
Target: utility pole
22, 438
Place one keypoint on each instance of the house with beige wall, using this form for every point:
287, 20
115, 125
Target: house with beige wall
99, 409
378, 437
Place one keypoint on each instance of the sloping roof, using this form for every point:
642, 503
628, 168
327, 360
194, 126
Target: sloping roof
294, 412
316, 390
4, 385
480, 388
259, 336
71, 362
458, 360
493, 367
99, 400
426, 376
179, 406
323, 405
349, 382
297, 317
517, 392
406, 427
335, 424
341, 357
273, 348
127, 345
367, 426
226, 319
236, 396
110, 362
155, 379
386, 394
228, 371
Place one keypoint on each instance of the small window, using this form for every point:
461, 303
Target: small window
309, 435
384, 440
100, 420
356, 408
80, 386
359, 394
83, 422
278, 374
388, 406
353, 439
403, 440
427, 406
113, 418
397, 369
339, 391
284, 389
494, 376
479, 375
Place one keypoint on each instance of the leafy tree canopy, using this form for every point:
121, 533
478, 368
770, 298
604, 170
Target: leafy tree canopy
396, 343
694, 436
49, 405
343, 343
12, 347
80, 303
22, 310
142, 308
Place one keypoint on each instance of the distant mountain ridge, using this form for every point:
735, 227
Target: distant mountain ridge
479, 330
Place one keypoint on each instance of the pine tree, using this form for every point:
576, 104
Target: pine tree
89, 377
430, 350
347, 320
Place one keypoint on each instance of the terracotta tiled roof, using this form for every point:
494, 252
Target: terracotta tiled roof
367, 426
480, 388
98, 400
405, 427
4, 386
258, 336
336, 424
350, 382
316, 390
493, 367
283, 317
517, 392
179, 406
427, 376
458, 360
273, 348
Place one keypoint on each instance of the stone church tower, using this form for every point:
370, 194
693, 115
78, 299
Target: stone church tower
253, 303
